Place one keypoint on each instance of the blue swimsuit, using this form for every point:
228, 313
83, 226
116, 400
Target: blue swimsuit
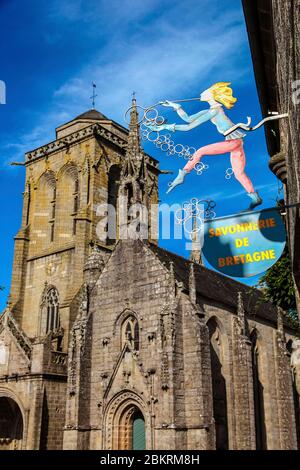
216, 115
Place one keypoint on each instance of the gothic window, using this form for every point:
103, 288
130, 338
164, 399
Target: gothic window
258, 394
129, 194
45, 213
130, 333
113, 184
68, 202
218, 386
52, 308
112, 200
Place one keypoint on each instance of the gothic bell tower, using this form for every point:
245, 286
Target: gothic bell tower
91, 163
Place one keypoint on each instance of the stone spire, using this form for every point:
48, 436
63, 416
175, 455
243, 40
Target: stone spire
241, 313
192, 284
195, 255
134, 156
93, 266
280, 325
133, 188
134, 144
172, 281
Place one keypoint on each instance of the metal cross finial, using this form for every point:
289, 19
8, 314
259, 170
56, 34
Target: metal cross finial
94, 95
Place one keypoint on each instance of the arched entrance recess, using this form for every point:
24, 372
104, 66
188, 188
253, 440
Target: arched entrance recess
127, 424
11, 425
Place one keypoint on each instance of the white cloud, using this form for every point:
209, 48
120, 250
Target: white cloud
41, 134
101, 14
162, 67
169, 56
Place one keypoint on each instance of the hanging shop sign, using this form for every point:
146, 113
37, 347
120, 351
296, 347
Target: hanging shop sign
244, 245
218, 101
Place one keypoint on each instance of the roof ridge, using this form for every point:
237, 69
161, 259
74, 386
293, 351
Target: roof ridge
203, 268
92, 114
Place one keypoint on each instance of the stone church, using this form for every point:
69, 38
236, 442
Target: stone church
119, 344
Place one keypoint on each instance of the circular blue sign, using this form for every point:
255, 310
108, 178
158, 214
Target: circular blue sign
244, 245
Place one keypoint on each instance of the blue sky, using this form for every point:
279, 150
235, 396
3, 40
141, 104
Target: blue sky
52, 51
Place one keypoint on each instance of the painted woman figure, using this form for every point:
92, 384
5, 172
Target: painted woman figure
217, 96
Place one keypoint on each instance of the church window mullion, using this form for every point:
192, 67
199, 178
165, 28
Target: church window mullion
75, 204
52, 216
130, 333
48, 318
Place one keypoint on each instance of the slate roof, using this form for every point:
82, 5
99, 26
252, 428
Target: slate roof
92, 114
216, 287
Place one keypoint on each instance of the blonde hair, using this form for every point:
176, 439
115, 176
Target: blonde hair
223, 94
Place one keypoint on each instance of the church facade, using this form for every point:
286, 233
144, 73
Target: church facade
112, 343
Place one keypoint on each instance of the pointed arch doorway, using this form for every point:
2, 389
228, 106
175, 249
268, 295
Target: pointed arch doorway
127, 423
131, 429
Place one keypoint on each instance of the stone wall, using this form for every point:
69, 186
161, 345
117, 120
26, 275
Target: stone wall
165, 374
169, 378
274, 34
286, 19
